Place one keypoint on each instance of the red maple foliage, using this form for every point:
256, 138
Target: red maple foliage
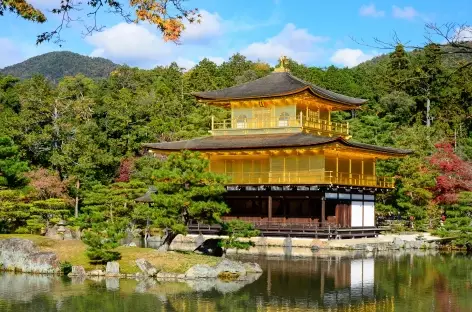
455, 174
47, 184
124, 173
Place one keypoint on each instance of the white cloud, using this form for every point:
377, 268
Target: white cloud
370, 10
129, 43
407, 12
216, 59
351, 57
185, 63
292, 42
210, 27
142, 45
463, 34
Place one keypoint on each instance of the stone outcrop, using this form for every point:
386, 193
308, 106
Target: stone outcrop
226, 268
230, 267
113, 269
22, 255
77, 270
147, 268
96, 273
201, 271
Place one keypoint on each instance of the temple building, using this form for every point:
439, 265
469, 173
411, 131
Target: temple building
292, 170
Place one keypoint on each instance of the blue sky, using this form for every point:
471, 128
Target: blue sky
312, 32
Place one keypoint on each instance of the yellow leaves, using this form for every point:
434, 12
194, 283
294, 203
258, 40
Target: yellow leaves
156, 12
25, 10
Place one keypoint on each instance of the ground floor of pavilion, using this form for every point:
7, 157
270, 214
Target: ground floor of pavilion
302, 211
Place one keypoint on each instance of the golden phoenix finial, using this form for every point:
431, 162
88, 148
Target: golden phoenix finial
283, 67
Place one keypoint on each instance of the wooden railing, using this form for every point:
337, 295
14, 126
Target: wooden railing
300, 121
294, 227
307, 177
325, 125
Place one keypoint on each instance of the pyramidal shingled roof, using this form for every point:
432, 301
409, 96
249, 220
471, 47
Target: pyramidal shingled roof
275, 84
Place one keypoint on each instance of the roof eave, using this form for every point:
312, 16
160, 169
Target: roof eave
224, 100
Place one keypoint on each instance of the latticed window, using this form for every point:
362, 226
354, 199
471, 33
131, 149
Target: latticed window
241, 122
283, 119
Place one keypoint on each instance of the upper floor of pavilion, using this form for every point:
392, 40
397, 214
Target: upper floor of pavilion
279, 103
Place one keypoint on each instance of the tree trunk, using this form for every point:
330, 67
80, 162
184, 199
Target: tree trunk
428, 108
76, 211
146, 233
167, 241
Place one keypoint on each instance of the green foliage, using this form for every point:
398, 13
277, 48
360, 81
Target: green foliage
83, 129
14, 211
459, 221
187, 191
106, 217
101, 241
45, 212
11, 167
66, 268
235, 230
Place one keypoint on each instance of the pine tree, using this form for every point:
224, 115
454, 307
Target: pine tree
186, 191
45, 212
235, 230
14, 211
459, 221
12, 169
107, 215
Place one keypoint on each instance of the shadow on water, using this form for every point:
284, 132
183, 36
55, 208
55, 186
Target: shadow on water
357, 282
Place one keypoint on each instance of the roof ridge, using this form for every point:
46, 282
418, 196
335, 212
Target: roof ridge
244, 83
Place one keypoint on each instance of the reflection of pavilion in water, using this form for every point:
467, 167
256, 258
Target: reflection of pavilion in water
322, 282
355, 282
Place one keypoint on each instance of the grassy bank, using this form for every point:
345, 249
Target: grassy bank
73, 251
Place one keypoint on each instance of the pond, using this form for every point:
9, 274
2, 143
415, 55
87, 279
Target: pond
399, 281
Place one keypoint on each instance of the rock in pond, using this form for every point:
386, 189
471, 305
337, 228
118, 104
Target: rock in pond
226, 269
201, 271
22, 255
147, 268
230, 266
113, 269
77, 270
96, 273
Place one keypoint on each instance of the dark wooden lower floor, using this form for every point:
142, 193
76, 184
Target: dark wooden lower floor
301, 212
294, 229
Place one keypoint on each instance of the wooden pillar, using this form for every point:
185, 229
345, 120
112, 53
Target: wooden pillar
323, 211
362, 172
337, 169
269, 207
350, 171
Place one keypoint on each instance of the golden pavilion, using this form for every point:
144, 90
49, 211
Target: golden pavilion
291, 169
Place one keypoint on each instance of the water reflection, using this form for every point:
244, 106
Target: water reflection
388, 282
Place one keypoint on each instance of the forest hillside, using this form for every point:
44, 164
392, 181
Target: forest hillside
92, 131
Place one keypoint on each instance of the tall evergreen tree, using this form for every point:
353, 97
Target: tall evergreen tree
12, 169
186, 192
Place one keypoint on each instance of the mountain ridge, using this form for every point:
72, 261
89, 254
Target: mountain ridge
58, 64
